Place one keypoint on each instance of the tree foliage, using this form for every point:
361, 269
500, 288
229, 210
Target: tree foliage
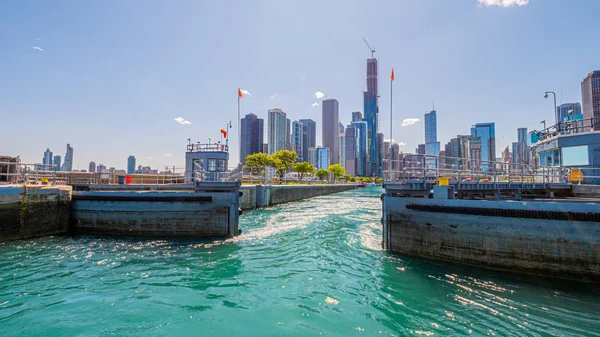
282, 161
303, 167
258, 161
321, 173
378, 181
347, 177
337, 170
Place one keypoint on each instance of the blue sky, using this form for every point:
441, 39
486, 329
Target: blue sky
111, 76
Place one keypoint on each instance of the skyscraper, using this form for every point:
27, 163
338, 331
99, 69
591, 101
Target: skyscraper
562, 111
357, 116
47, 161
362, 151
330, 128
277, 130
288, 134
371, 109
130, 165
590, 97
351, 146
487, 132
68, 164
298, 140
342, 145
252, 136
431, 127
432, 146
57, 161
319, 157
309, 136
520, 150
92, 167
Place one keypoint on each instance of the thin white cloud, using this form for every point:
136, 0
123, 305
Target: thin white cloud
38, 48
37, 38
182, 121
274, 96
303, 77
410, 121
149, 158
315, 104
502, 3
168, 154
319, 95
402, 144
246, 92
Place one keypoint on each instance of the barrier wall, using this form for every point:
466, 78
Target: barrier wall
32, 211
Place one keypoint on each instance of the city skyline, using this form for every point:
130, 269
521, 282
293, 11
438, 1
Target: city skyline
92, 93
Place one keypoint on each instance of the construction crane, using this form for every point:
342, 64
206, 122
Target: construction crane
370, 48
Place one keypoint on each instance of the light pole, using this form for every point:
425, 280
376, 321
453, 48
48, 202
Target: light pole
555, 113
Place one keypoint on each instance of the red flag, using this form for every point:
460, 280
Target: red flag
224, 133
392, 77
239, 93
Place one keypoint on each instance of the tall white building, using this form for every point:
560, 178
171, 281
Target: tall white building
277, 131
68, 164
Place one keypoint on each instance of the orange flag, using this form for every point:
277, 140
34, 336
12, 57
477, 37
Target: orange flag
392, 77
224, 133
239, 93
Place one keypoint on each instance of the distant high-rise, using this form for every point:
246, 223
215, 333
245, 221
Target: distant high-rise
350, 147
420, 149
520, 150
319, 157
102, 168
288, 135
362, 150
309, 136
371, 109
432, 146
487, 132
130, 165
590, 97
47, 161
277, 130
357, 116
298, 140
330, 128
56, 162
68, 164
92, 167
431, 127
252, 136
342, 145
562, 111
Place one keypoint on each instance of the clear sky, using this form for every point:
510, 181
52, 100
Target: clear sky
111, 77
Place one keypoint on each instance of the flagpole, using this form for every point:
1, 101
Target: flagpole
239, 130
391, 123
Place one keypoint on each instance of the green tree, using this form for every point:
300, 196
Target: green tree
304, 167
378, 181
359, 179
367, 180
337, 170
282, 161
258, 161
347, 177
321, 173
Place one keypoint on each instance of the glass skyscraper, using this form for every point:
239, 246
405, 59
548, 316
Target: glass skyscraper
330, 128
590, 97
298, 140
56, 162
47, 161
371, 109
562, 111
131, 165
252, 136
68, 164
487, 133
309, 136
362, 149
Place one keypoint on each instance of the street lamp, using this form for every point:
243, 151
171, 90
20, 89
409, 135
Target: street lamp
555, 114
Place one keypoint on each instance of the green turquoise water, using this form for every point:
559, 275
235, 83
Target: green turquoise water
310, 268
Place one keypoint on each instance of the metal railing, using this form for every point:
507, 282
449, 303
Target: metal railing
428, 167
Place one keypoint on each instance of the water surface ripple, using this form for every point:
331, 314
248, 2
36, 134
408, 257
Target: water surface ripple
310, 268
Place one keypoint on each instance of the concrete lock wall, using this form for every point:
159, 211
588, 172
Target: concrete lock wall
248, 198
269, 195
32, 211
